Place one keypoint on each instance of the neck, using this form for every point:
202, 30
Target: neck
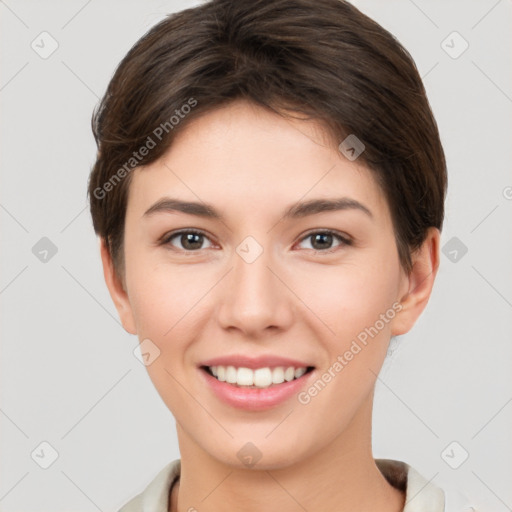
341, 476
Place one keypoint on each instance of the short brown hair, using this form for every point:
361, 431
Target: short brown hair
322, 59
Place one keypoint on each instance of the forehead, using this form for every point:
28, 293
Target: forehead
247, 157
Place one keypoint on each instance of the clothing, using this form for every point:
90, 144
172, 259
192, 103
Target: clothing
421, 495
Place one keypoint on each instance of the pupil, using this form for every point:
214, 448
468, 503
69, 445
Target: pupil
191, 241
324, 238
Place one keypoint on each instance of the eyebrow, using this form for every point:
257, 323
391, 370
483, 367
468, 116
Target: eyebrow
302, 209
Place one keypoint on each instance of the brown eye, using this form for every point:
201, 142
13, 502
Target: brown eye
323, 240
187, 240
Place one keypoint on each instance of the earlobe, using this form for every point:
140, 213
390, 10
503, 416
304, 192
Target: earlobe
117, 290
420, 283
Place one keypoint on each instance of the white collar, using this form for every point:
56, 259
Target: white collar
421, 494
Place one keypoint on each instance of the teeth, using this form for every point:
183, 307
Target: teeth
260, 378
244, 377
278, 375
231, 375
289, 374
299, 372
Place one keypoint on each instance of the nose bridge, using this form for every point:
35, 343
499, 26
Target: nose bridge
254, 298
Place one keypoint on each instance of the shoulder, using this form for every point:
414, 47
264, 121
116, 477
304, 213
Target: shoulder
422, 495
457, 502
155, 497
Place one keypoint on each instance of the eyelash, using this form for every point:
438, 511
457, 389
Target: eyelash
344, 240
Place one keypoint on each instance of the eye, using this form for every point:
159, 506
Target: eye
322, 241
190, 240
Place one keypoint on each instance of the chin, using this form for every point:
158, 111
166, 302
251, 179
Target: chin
258, 453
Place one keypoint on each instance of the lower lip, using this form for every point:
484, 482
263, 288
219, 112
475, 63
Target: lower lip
253, 399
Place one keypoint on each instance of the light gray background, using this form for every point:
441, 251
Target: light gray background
68, 373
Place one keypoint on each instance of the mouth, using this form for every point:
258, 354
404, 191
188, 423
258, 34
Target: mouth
256, 378
255, 383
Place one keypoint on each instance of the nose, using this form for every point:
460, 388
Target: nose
255, 299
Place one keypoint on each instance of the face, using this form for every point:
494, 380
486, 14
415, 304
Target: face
286, 259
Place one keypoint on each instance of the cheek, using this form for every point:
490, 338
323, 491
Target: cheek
160, 295
168, 306
165, 306
356, 302
350, 297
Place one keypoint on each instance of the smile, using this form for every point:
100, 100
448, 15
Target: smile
258, 388
256, 378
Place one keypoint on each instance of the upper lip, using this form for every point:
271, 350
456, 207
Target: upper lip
241, 361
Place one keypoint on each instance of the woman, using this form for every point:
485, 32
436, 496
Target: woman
269, 193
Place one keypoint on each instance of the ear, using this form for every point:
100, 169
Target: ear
418, 284
117, 290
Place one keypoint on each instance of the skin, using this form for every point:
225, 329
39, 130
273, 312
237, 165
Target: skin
292, 301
